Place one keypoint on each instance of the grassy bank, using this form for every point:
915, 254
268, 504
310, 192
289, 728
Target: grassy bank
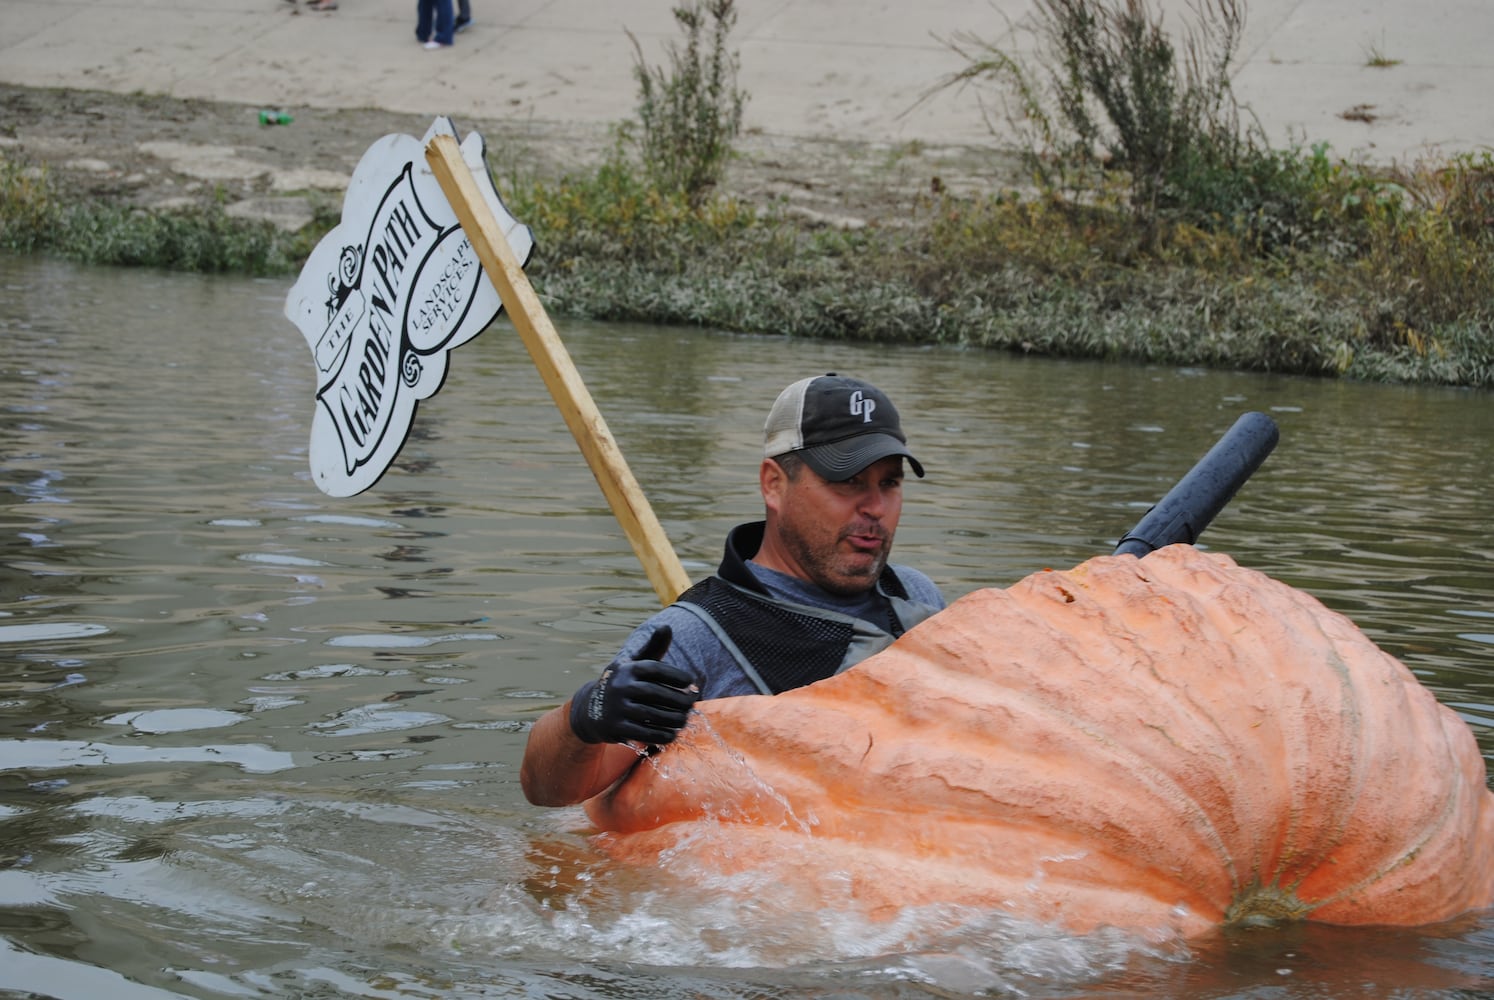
1379, 276
1364, 275
1155, 224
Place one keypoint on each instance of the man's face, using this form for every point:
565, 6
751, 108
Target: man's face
839, 534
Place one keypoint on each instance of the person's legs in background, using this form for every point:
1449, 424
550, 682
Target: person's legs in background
444, 24
424, 12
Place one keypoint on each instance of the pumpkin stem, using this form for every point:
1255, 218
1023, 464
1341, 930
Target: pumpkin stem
1265, 905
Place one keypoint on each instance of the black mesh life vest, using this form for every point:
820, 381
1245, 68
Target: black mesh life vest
787, 646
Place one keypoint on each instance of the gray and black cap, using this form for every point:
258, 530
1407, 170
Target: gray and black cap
837, 425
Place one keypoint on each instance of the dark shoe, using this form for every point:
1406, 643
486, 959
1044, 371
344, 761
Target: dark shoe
463, 25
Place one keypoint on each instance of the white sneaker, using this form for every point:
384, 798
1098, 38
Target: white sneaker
433, 44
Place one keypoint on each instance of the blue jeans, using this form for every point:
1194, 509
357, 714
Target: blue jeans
440, 12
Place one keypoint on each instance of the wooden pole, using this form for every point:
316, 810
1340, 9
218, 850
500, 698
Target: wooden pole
629, 504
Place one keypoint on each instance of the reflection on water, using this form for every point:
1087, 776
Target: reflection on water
256, 741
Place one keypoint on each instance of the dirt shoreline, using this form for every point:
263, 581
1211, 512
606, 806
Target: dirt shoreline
162, 153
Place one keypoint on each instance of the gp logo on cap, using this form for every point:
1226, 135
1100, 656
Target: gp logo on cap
862, 407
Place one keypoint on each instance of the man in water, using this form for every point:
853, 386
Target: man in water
799, 596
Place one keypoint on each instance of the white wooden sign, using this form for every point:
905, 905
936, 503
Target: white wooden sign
382, 300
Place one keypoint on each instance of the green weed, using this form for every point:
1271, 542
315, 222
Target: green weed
690, 112
27, 203
37, 216
1375, 57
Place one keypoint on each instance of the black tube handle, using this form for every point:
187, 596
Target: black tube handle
1187, 509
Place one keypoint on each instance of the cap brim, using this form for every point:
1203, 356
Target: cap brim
843, 459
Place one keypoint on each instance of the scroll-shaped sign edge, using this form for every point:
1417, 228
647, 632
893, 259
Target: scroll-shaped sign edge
370, 178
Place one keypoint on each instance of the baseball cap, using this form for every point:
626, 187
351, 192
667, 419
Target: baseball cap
838, 425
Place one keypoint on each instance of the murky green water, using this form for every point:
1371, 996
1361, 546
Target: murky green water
255, 741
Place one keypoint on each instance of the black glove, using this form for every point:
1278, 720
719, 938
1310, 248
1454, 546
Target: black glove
640, 699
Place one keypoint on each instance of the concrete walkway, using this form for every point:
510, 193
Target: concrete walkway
841, 69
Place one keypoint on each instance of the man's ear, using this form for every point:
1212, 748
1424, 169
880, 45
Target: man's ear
773, 482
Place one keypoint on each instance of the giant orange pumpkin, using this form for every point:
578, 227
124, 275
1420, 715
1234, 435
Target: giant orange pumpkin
1163, 745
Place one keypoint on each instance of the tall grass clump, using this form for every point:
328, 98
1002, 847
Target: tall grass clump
651, 213
27, 203
616, 212
1110, 94
1428, 259
690, 111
